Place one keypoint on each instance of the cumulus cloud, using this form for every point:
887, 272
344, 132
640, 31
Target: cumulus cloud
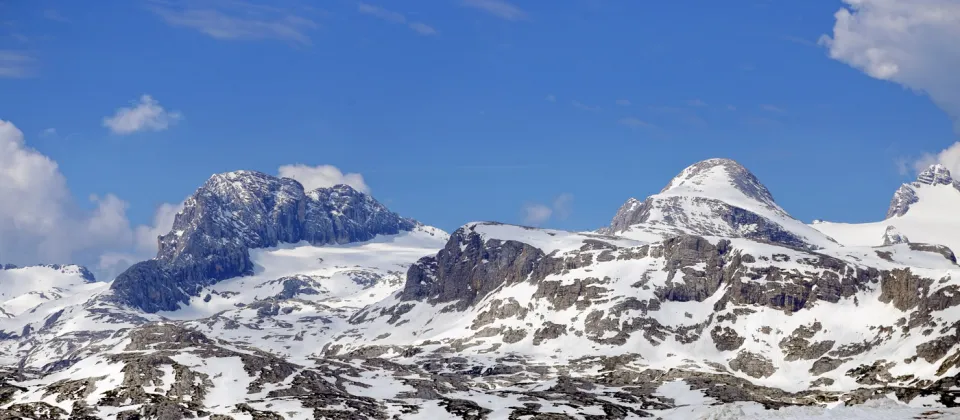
323, 176
910, 42
41, 223
536, 214
498, 8
949, 157
144, 242
395, 17
144, 115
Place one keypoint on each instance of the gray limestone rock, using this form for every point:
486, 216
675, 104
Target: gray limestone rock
752, 364
236, 211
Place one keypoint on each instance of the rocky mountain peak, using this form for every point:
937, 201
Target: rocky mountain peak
907, 194
235, 211
935, 175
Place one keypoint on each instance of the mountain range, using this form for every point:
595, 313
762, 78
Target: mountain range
706, 300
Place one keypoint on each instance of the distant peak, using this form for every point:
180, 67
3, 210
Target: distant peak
712, 174
907, 195
935, 175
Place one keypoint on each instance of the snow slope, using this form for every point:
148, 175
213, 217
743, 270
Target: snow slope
923, 212
24, 288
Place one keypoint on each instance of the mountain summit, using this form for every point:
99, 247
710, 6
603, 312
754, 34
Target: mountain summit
235, 211
716, 197
907, 195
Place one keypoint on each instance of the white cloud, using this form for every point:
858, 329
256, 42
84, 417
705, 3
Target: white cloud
909, 42
15, 64
145, 237
40, 222
147, 114
697, 103
49, 132
949, 157
395, 17
623, 102
498, 8
237, 20
422, 28
551, 98
536, 214
323, 176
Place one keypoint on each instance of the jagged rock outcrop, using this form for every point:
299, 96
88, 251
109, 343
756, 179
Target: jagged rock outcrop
236, 211
906, 195
892, 236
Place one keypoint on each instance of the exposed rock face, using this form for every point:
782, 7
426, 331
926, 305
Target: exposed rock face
892, 236
906, 195
752, 364
236, 211
468, 268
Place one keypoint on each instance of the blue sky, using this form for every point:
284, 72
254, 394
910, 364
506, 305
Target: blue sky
454, 111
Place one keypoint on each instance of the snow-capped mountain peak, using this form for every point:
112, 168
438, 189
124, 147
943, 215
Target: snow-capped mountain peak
936, 177
715, 197
723, 179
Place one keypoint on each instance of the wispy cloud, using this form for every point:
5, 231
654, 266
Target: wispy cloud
798, 40
772, 108
145, 115
585, 107
48, 132
634, 122
697, 103
395, 17
16, 64
731, 108
623, 102
498, 8
236, 20
551, 98
54, 15
536, 214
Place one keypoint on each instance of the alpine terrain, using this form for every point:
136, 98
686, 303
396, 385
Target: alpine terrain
704, 301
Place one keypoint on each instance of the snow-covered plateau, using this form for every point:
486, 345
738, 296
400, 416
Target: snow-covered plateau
704, 301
